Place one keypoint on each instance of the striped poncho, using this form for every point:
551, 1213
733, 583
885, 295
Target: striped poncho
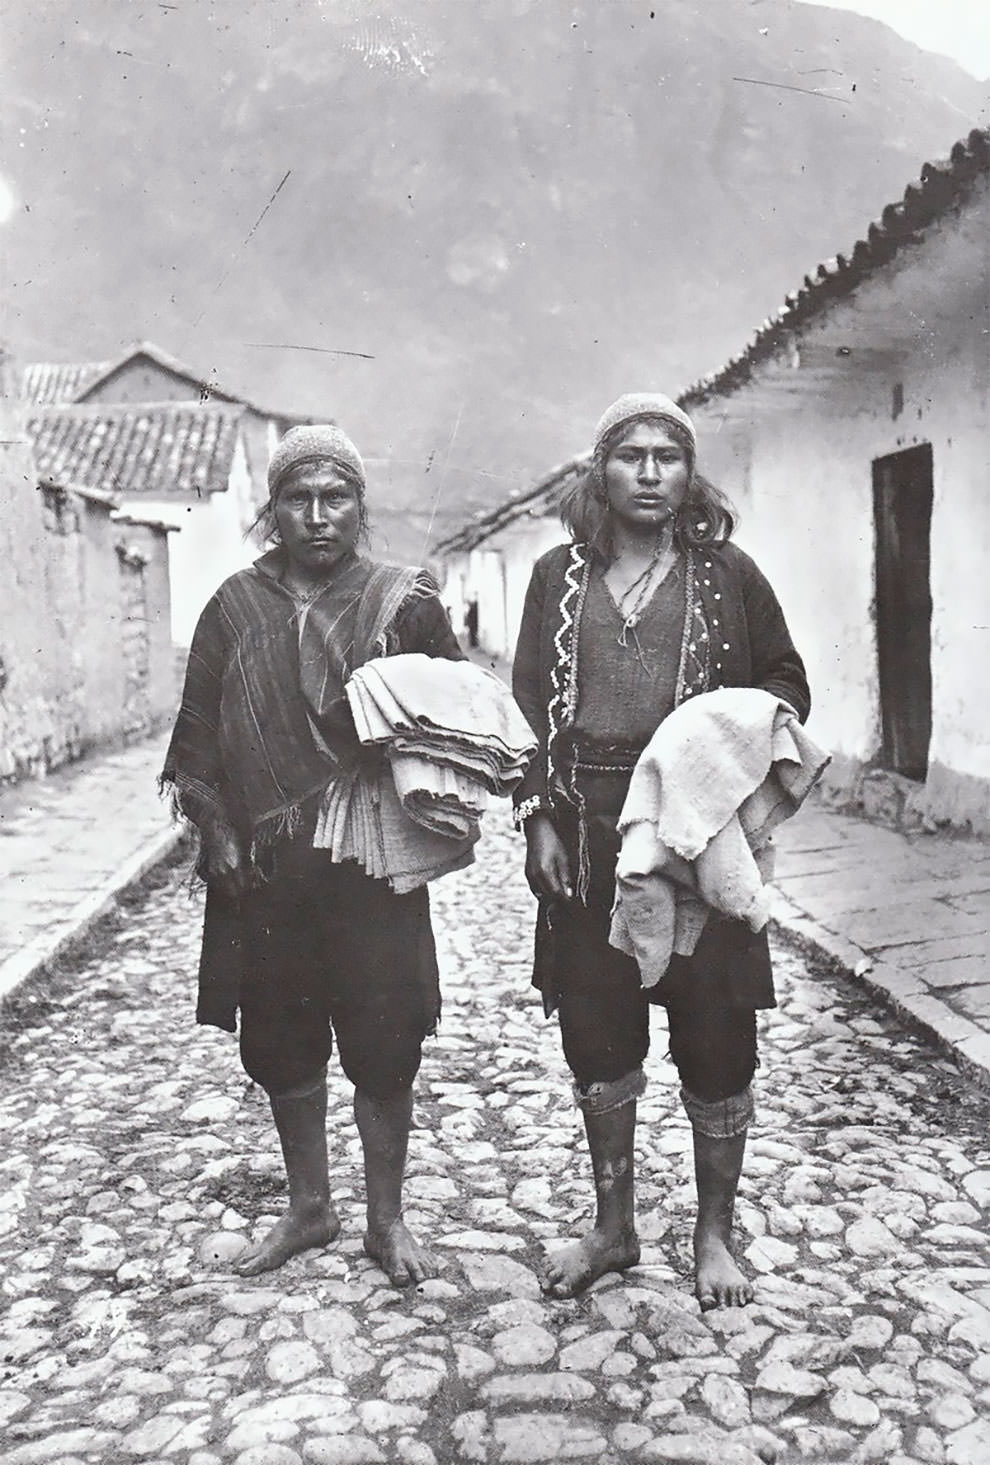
264, 725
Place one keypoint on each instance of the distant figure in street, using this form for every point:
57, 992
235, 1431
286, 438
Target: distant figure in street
471, 623
647, 607
307, 948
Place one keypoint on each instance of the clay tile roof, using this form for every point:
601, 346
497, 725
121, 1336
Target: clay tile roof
943, 186
50, 383
46, 383
158, 450
538, 501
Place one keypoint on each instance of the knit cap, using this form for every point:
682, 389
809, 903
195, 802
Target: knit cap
318, 443
640, 404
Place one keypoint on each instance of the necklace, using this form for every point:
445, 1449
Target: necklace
660, 562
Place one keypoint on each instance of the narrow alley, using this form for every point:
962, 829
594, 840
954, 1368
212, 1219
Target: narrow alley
137, 1160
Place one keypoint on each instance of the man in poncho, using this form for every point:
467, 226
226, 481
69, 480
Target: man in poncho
305, 948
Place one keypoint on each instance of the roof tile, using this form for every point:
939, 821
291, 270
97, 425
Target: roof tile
540, 500
46, 383
156, 450
942, 186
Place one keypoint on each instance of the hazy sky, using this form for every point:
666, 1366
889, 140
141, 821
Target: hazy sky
956, 28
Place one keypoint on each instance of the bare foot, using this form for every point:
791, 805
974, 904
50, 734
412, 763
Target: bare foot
718, 1281
294, 1233
575, 1268
400, 1256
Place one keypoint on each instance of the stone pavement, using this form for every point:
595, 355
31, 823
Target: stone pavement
137, 1160
68, 845
908, 915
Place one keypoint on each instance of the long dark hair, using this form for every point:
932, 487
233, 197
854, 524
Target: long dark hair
264, 521
704, 519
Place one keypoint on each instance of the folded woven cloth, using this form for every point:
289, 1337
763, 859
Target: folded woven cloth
453, 736
447, 715
362, 819
438, 797
717, 777
435, 718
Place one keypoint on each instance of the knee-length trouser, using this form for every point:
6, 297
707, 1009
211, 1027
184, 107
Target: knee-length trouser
327, 951
605, 1013
605, 1027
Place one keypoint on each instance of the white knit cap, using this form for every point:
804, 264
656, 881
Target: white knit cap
641, 404
320, 442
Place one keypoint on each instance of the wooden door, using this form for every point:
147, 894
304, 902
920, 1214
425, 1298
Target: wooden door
902, 511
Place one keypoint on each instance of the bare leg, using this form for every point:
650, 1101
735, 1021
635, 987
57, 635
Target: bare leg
717, 1167
613, 1244
383, 1125
311, 1220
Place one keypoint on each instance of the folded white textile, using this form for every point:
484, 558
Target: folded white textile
363, 819
452, 735
720, 773
450, 712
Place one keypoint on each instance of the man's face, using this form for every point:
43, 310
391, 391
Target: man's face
646, 476
318, 515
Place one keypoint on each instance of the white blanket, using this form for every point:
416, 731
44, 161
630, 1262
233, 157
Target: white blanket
718, 775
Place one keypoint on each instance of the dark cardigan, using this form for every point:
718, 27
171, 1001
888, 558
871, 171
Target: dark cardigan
750, 646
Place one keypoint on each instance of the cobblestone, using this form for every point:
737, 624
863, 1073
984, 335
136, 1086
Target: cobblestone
139, 1160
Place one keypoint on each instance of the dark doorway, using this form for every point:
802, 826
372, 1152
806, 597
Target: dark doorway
902, 512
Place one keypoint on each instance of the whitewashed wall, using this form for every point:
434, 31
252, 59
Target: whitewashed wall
210, 546
497, 573
805, 484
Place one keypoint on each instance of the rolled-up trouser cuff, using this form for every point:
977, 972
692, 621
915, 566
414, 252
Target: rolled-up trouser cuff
720, 1118
602, 1098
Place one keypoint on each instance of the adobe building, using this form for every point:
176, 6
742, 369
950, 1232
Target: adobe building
853, 436
144, 373
182, 464
86, 657
853, 433
168, 444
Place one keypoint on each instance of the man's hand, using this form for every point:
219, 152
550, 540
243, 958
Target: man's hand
547, 866
225, 865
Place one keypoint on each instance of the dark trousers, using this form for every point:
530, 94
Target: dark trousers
328, 951
604, 1011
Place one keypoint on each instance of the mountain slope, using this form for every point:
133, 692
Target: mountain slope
514, 208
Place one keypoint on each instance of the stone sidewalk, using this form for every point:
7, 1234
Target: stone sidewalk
908, 915
68, 845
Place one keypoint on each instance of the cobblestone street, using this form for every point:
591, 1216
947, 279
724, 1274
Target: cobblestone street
137, 1159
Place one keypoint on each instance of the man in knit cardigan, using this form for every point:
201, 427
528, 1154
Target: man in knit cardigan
649, 605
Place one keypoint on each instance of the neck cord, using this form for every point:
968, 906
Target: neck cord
643, 583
